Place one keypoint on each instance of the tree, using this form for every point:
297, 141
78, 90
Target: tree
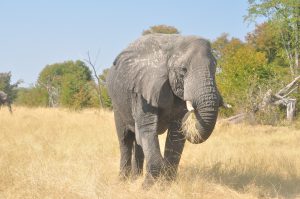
34, 96
285, 16
222, 46
100, 84
75, 90
219, 45
266, 38
104, 92
67, 84
164, 29
243, 71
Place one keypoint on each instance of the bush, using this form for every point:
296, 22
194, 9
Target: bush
32, 97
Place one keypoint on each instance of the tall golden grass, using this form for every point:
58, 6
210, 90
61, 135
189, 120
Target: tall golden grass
56, 153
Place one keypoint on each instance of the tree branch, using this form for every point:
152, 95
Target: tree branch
99, 81
285, 90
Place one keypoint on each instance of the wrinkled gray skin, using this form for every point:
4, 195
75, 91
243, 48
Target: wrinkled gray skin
4, 100
149, 84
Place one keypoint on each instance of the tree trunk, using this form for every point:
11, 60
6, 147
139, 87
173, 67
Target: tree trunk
288, 54
291, 109
297, 29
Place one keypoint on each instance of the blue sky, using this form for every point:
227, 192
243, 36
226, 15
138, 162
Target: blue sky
36, 33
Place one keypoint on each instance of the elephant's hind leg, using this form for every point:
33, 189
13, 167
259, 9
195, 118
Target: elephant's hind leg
126, 139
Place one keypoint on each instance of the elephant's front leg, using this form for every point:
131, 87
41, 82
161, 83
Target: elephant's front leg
173, 149
150, 144
146, 119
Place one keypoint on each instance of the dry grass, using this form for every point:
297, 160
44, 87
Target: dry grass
55, 153
189, 128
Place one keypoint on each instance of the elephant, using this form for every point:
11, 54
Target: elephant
154, 84
4, 99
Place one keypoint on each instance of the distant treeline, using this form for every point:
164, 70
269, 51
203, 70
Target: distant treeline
69, 84
246, 70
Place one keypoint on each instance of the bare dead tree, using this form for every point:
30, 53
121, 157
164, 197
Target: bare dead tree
99, 81
281, 98
53, 93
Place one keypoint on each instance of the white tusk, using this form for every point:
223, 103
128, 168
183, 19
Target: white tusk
227, 105
189, 106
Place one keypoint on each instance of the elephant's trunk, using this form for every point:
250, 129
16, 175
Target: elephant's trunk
205, 106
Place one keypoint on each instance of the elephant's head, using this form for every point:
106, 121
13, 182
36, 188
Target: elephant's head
163, 65
192, 78
3, 97
5, 100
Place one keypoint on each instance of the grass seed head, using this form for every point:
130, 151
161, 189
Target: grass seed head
189, 128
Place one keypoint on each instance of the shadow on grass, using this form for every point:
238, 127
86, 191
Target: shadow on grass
266, 185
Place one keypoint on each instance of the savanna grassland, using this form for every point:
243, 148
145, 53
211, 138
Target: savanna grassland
57, 153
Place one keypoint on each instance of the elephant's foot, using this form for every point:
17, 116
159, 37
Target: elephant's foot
164, 180
170, 172
170, 176
154, 173
123, 178
148, 182
124, 174
136, 173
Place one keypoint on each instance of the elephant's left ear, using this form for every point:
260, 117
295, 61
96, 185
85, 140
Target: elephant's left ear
153, 84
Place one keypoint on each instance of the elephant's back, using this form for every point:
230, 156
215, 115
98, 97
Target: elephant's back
150, 47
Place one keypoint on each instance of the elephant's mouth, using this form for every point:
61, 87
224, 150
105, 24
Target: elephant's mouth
197, 125
190, 127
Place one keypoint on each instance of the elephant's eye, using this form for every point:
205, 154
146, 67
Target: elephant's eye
184, 70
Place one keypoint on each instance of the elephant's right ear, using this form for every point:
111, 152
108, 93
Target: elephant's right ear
153, 84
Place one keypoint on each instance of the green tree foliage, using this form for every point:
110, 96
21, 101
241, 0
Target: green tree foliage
75, 91
219, 44
266, 38
104, 93
164, 29
32, 97
280, 35
285, 17
102, 99
243, 71
67, 84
